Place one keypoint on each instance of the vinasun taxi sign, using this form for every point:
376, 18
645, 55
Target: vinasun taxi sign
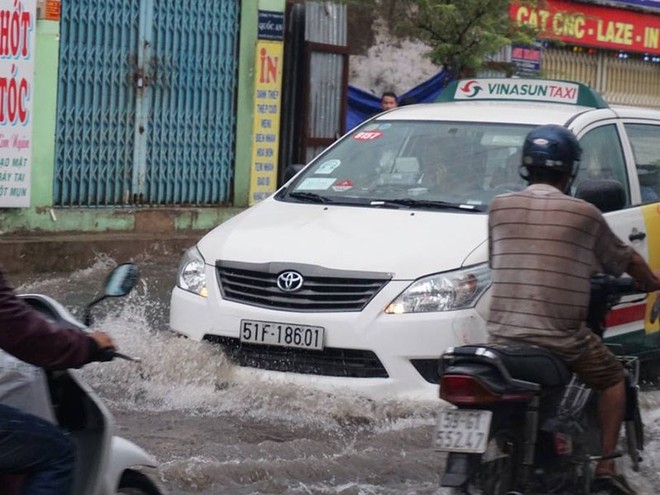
545, 90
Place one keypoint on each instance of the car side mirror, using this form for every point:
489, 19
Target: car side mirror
291, 171
604, 194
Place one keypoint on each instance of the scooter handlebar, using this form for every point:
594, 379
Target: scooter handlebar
108, 354
614, 286
606, 292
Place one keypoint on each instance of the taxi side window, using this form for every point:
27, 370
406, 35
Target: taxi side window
602, 158
644, 139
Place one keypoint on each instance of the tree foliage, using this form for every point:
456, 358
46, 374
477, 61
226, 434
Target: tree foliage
461, 34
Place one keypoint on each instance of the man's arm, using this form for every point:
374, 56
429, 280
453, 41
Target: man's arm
24, 333
638, 269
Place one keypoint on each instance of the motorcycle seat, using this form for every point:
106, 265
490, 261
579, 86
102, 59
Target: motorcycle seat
527, 362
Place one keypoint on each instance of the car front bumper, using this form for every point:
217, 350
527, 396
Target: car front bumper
381, 354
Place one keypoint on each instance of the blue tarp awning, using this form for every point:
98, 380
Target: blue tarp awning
362, 105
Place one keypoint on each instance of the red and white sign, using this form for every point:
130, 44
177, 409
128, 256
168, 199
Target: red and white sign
368, 135
17, 41
343, 185
592, 25
517, 89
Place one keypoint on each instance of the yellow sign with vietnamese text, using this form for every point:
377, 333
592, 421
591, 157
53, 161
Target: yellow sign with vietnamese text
652, 222
266, 127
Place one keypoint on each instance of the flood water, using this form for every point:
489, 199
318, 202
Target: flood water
215, 433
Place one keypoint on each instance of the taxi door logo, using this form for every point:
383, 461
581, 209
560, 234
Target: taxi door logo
470, 89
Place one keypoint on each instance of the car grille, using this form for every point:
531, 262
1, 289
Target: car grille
351, 363
323, 289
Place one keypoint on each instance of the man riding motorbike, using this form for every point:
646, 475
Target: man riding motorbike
544, 246
28, 444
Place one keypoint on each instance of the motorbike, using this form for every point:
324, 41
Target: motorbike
106, 463
523, 423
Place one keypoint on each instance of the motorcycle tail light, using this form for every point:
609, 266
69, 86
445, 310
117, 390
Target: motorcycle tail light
563, 444
468, 390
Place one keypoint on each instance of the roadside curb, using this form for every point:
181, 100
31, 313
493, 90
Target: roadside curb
72, 251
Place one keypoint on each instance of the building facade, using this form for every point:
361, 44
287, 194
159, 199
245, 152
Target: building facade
141, 109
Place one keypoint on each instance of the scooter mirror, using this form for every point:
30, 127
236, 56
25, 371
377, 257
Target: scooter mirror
119, 283
121, 280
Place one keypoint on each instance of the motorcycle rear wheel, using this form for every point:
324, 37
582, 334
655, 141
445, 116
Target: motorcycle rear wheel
499, 465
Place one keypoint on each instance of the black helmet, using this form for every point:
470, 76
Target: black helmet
552, 147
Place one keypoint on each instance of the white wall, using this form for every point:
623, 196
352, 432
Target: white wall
390, 65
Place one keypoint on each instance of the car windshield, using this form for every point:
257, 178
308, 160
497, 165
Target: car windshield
416, 164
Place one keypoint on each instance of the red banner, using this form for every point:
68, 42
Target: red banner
592, 25
53, 10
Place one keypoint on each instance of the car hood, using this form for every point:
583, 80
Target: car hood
403, 242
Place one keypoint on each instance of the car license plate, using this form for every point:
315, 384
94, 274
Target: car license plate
462, 430
282, 334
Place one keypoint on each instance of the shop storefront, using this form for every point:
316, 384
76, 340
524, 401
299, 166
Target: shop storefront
613, 46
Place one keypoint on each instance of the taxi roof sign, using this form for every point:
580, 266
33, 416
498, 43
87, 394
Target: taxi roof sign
541, 90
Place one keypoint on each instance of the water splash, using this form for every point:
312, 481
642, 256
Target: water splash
245, 436
178, 374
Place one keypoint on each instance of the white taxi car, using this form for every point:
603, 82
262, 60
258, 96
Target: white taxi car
367, 265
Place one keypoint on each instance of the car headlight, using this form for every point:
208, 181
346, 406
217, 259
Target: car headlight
443, 292
191, 275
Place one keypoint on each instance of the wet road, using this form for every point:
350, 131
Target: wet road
214, 433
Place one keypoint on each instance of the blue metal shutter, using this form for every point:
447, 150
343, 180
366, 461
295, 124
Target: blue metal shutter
145, 106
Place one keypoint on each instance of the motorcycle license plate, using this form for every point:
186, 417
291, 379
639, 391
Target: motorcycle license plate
282, 334
462, 430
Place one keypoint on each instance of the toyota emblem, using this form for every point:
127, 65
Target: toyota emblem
289, 281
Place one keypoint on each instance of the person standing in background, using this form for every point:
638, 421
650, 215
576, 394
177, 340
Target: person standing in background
388, 101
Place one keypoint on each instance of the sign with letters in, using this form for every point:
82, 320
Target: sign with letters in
17, 26
267, 106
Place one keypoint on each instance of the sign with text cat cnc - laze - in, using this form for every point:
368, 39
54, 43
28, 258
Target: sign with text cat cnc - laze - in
17, 25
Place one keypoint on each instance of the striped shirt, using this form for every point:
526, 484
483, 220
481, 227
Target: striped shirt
544, 246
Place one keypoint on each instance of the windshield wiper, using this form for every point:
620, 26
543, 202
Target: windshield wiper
425, 203
310, 197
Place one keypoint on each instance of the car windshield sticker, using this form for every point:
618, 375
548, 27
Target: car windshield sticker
327, 167
343, 185
367, 135
417, 191
316, 184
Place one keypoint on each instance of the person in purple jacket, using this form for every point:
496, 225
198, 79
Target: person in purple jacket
30, 445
